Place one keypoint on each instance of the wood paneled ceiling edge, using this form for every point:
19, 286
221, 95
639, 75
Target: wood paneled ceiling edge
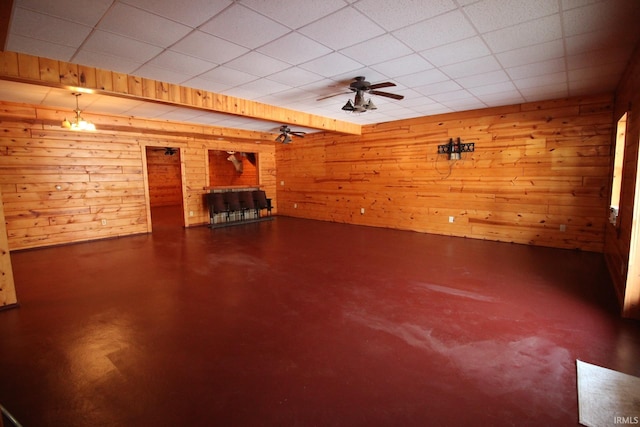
36, 70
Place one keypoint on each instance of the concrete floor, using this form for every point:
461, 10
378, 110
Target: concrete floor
296, 322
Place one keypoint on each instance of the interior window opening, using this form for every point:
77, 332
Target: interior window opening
614, 206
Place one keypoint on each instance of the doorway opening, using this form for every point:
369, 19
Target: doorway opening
165, 186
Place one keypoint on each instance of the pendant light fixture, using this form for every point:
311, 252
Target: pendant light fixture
359, 105
79, 123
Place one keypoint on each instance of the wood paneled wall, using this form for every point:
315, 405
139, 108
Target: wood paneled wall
61, 186
165, 177
8, 296
223, 173
538, 169
622, 241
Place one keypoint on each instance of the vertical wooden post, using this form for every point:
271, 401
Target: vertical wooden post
7, 287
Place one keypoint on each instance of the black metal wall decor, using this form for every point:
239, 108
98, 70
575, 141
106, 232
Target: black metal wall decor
453, 149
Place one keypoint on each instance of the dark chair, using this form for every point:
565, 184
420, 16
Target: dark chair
246, 201
261, 201
217, 205
233, 203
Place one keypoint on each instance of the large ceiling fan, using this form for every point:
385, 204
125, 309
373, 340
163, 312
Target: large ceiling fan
361, 86
285, 134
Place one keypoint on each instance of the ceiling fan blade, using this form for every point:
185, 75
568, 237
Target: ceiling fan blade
379, 85
300, 134
387, 94
331, 96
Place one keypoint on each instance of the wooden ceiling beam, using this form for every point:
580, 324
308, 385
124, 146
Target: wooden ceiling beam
49, 72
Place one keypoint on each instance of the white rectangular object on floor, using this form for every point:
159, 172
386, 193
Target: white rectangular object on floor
607, 397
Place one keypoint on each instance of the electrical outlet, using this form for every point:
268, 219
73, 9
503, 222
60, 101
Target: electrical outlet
563, 228
104, 222
282, 183
191, 213
361, 211
295, 206
451, 219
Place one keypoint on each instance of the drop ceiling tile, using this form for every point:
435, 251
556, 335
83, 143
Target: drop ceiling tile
181, 115
257, 64
610, 15
593, 85
472, 67
501, 99
208, 47
432, 109
541, 93
294, 49
465, 104
501, 87
142, 26
35, 25
120, 46
531, 54
197, 12
423, 78
491, 15
526, 34
483, 79
188, 66
65, 99
603, 72
108, 104
89, 14
260, 88
206, 84
596, 40
106, 61
543, 80
23, 93
245, 27
402, 66
598, 57
228, 76
43, 48
295, 76
401, 13
345, 79
295, 16
436, 88
537, 69
379, 49
459, 51
452, 96
572, 4
444, 29
158, 73
331, 65
148, 109
286, 98
342, 24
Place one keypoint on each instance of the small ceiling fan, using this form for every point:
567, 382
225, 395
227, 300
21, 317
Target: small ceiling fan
361, 86
285, 134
